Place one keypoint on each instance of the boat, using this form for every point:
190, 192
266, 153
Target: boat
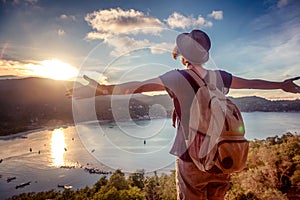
9, 179
67, 187
23, 185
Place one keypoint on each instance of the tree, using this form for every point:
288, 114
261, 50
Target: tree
167, 186
151, 187
137, 179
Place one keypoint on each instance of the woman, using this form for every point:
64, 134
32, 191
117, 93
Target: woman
194, 49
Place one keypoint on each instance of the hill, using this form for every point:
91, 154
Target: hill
253, 104
32, 103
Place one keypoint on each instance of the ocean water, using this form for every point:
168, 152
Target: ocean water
67, 155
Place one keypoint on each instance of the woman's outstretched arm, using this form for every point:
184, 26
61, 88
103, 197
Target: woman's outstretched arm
287, 85
95, 89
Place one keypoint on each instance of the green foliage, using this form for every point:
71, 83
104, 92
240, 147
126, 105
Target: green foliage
272, 170
118, 181
137, 179
167, 186
101, 182
152, 187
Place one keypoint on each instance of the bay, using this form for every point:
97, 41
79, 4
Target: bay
68, 155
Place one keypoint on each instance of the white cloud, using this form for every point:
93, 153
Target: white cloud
67, 17
217, 15
125, 44
118, 21
63, 16
61, 32
162, 48
177, 20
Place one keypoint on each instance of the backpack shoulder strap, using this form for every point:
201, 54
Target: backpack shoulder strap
195, 81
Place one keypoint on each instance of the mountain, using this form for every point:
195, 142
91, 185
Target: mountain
253, 104
31, 103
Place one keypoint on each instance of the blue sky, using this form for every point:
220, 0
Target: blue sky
131, 39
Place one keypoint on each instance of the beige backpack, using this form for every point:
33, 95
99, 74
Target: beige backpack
216, 140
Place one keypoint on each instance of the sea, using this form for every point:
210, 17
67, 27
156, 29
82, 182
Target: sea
78, 155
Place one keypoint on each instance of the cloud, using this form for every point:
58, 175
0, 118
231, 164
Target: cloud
118, 21
67, 17
282, 3
53, 69
32, 1
274, 55
16, 2
13, 68
61, 32
217, 15
124, 45
176, 20
124, 31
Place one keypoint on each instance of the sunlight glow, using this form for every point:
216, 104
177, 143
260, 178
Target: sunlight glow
54, 69
58, 147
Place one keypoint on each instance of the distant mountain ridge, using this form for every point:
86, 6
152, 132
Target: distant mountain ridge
259, 104
31, 103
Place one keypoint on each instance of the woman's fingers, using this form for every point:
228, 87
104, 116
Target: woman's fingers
82, 92
91, 81
69, 93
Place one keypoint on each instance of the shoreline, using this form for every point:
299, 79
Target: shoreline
23, 134
31, 129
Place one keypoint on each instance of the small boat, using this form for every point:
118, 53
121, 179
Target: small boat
9, 179
67, 187
23, 185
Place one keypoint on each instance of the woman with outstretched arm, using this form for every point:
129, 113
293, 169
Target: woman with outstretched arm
193, 48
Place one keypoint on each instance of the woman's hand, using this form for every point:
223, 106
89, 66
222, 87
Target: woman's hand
87, 91
175, 53
289, 86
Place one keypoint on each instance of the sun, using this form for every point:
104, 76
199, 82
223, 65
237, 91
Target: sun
54, 69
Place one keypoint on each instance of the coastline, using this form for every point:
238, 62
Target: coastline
24, 133
33, 129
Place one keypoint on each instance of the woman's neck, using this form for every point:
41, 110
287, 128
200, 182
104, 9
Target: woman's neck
198, 69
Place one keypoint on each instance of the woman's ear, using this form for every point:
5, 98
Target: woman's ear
185, 62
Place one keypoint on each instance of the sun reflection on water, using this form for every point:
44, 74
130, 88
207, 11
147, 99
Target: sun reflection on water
58, 147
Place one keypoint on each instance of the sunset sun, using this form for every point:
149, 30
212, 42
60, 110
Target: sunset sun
54, 69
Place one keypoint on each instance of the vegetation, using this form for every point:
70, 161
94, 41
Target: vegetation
272, 172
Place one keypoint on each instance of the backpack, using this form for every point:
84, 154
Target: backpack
216, 142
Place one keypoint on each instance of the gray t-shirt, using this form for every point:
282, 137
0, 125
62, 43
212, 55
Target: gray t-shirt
182, 93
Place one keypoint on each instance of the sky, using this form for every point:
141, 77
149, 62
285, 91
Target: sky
126, 40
